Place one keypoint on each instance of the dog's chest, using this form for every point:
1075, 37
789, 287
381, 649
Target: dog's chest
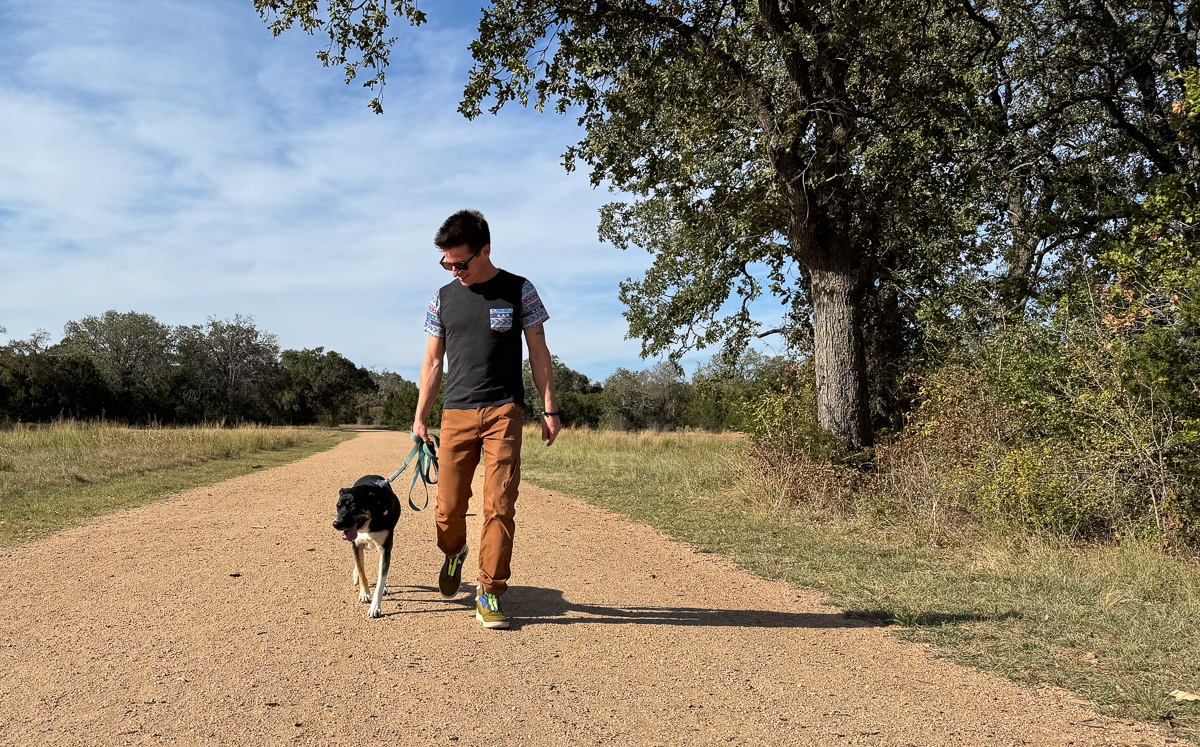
373, 540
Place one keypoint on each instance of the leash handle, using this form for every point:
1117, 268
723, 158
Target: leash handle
426, 468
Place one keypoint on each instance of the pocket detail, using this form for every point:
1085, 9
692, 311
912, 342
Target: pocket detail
501, 319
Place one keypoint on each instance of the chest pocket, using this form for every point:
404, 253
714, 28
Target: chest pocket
501, 319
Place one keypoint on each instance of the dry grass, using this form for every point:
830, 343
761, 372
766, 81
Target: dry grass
1119, 625
60, 475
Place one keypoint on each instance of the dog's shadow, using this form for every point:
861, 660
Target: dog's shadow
418, 593
531, 605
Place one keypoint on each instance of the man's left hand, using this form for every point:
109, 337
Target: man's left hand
551, 425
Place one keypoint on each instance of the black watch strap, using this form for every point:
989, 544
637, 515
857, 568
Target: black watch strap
548, 414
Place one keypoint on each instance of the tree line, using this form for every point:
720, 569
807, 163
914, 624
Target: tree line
133, 368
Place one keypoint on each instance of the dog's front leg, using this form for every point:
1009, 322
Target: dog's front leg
364, 592
385, 562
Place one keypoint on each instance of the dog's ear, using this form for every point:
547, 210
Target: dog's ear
343, 491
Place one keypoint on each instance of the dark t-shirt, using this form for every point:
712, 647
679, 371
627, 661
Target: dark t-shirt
482, 324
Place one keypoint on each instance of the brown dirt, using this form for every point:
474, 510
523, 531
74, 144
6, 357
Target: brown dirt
183, 623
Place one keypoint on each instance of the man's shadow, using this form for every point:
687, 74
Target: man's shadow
531, 605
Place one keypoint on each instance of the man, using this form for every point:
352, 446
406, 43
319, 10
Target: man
476, 322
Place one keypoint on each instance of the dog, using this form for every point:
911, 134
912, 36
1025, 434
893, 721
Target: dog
366, 516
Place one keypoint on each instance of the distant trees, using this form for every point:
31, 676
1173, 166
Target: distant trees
132, 367
400, 408
661, 397
227, 370
723, 391
133, 353
578, 397
37, 384
657, 397
321, 386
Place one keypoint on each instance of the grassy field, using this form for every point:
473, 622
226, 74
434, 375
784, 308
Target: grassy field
58, 476
1118, 626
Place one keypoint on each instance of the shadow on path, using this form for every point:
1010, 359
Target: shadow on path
531, 605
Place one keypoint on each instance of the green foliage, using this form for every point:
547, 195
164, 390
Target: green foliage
724, 392
357, 31
655, 398
38, 384
226, 370
1028, 487
400, 409
133, 352
1083, 426
782, 421
579, 400
321, 386
1072, 429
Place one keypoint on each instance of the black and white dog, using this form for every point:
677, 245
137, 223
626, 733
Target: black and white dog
367, 516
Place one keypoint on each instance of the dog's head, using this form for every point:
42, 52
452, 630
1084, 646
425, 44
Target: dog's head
353, 510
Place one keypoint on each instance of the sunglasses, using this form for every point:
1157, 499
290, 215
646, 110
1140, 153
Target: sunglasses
460, 266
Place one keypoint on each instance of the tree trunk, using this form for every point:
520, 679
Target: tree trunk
1022, 270
839, 357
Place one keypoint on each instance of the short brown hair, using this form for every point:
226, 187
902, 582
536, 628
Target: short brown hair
464, 227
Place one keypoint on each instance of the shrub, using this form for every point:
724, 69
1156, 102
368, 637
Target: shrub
724, 391
936, 468
579, 399
792, 459
400, 409
655, 398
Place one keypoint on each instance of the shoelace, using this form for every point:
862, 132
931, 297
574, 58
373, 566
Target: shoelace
489, 602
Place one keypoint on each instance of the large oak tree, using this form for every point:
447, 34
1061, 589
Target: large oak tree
813, 139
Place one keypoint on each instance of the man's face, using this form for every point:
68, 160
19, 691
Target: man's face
475, 261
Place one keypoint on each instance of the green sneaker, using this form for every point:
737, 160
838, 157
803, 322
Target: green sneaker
451, 576
487, 610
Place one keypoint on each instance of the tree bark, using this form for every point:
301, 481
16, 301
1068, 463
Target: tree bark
839, 356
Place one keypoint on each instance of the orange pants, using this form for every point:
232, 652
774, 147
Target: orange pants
496, 432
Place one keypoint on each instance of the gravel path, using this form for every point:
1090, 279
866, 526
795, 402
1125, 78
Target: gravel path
188, 622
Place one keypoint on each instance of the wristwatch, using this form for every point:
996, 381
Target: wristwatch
551, 414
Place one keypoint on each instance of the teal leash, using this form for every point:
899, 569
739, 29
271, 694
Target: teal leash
426, 468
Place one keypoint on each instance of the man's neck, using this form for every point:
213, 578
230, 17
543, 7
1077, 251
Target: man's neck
487, 276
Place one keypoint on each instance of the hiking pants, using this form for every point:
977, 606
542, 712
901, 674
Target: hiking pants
496, 433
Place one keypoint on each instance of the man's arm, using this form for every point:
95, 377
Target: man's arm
431, 383
543, 379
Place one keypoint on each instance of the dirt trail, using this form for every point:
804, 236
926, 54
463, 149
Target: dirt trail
184, 622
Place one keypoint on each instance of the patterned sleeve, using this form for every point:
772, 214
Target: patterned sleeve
533, 312
433, 317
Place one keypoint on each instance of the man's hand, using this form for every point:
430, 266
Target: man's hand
420, 430
551, 425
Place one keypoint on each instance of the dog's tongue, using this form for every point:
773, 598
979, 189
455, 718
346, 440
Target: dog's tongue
350, 534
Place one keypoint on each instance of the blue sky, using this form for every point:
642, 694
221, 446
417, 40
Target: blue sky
173, 158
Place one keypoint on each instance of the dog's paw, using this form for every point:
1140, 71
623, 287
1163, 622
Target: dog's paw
374, 612
364, 597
